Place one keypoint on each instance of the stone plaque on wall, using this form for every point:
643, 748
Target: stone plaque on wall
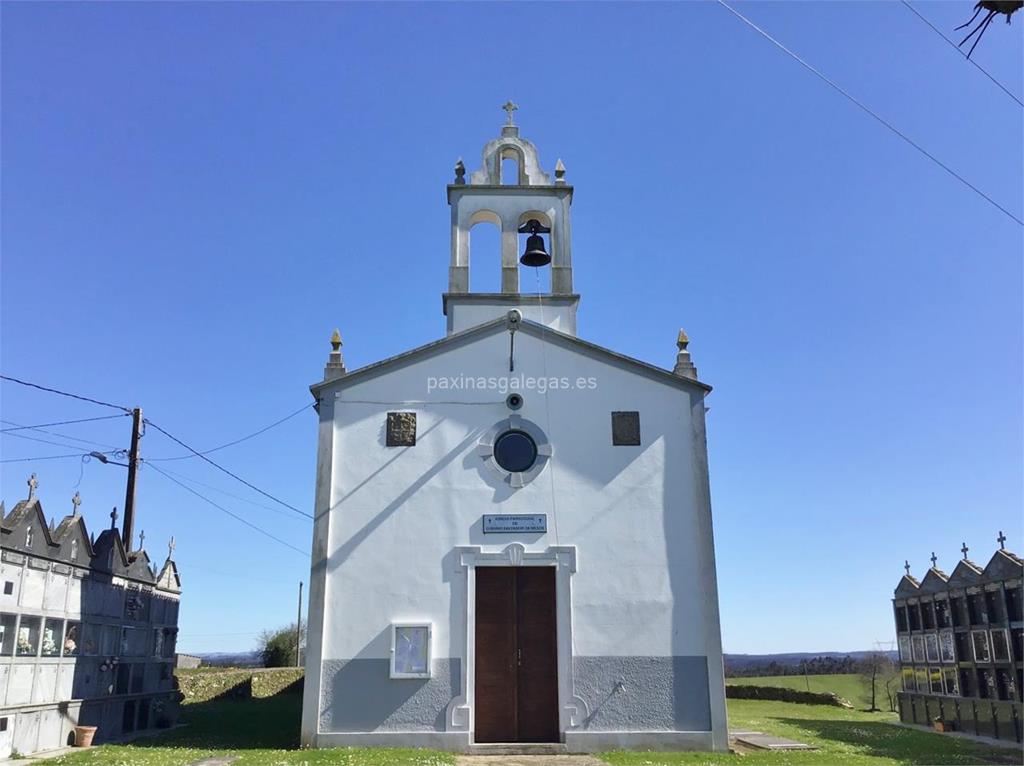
401, 430
626, 428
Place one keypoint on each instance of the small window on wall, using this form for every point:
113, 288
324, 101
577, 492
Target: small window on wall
52, 634
914, 613
946, 650
7, 634
410, 650
28, 637
8, 587
1000, 646
928, 616
72, 639
917, 642
931, 646
905, 655
921, 677
981, 647
908, 680
949, 678
935, 680
942, 614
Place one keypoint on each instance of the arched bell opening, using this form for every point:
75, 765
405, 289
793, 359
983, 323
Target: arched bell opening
511, 166
483, 245
536, 245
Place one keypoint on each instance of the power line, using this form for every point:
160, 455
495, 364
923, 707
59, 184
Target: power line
8, 432
868, 109
956, 47
224, 470
65, 393
44, 457
40, 426
225, 492
302, 409
44, 441
225, 510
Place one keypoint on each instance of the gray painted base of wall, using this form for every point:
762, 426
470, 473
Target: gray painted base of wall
360, 696
644, 694
661, 741
453, 741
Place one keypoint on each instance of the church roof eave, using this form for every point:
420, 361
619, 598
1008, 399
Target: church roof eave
496, 326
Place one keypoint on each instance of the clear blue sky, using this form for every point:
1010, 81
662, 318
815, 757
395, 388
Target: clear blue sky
194, 195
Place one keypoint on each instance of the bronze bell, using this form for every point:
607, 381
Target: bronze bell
535, 254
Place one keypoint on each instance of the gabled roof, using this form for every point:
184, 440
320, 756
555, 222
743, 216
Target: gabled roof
908, 586
168, 577
496, 327
965, 573
934, 580
1003, 564
29, 512
70, 526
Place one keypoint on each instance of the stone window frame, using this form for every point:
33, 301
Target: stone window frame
409, 625
931, 648
514, 422
986, 643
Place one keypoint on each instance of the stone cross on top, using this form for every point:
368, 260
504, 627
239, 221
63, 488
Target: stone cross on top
509, 107
935, 559
1001, 539
32, 482
113, 518
142, 540
906, 566
76, 501
964, 551
171, 545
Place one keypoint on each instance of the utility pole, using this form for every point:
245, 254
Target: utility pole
298, 630
128, 529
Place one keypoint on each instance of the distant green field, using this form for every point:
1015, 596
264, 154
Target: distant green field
846, 685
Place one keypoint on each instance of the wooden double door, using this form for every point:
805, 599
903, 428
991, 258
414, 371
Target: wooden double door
516, 655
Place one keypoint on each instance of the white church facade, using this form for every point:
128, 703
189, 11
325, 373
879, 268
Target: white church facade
513, 538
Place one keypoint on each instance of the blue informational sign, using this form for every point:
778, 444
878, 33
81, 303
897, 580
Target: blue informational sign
510, 523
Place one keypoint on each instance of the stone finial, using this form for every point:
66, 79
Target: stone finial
51, 524
335, 363
684, 367
171, 545
460, 173
32, 482
559, 173
75, 502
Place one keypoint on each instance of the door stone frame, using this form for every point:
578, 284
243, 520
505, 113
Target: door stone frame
572, 709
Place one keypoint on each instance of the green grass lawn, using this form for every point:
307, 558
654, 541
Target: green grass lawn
846, 685
264, 732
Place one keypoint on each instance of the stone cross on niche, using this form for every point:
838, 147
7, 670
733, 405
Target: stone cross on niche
32, 482
76, 501
509, 107
1001, 539
906, 566
935, 559
964, 551
142, 540
113, 518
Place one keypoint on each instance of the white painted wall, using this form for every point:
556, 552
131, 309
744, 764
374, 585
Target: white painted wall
632, 512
